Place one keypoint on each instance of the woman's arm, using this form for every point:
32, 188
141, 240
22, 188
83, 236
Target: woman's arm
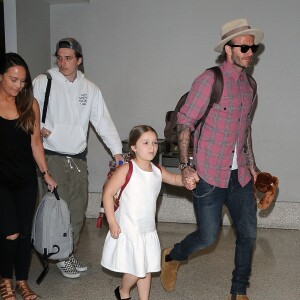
38, 149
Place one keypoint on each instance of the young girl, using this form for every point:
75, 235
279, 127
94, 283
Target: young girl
132, 246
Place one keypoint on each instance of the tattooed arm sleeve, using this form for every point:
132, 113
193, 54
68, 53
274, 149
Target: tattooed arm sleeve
184, 135
248, 149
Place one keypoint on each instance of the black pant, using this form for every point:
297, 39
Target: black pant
16, 215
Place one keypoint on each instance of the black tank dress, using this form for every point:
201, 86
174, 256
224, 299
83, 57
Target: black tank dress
17, 165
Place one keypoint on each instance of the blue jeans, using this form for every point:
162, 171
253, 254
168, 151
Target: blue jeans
208, 202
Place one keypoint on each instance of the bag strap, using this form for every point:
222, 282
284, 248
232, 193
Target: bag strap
55, 192
216, 94
128, 176
217, 88
181, 102
159, 167
253, 84
47, 93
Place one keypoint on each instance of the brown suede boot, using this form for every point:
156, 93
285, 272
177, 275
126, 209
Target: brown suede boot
168, 271
238, 297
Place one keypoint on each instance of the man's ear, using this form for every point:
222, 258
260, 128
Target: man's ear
228, 49
79, 61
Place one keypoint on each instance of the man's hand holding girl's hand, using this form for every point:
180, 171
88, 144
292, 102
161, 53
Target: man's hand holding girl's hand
189, 178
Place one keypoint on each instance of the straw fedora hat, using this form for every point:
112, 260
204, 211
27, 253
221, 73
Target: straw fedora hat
236, 28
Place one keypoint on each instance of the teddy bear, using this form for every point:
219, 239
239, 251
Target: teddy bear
267, 184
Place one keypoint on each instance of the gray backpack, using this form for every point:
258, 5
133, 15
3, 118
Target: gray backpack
52, 234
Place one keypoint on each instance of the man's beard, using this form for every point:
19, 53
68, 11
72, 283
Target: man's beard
241, 66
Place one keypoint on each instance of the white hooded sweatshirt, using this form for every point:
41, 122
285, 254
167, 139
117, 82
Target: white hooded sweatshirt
72, 105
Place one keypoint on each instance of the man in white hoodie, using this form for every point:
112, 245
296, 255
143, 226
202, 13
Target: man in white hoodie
74, 102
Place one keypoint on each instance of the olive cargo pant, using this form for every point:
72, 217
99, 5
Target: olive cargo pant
71, 176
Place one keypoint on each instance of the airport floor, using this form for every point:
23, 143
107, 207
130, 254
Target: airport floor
205, 276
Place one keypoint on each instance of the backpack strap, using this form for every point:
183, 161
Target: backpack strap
216, 94
217, 88
158, 166
128, 176
47, 93
181, 102
253, 84
217, 91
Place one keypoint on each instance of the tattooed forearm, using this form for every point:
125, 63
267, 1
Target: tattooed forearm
248, 148
184, 135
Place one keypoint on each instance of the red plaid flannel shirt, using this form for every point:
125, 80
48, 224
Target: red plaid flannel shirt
225, 125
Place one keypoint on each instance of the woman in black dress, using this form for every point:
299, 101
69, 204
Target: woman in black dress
20, 151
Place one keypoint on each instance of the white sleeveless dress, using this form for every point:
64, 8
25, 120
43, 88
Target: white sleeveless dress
137, 250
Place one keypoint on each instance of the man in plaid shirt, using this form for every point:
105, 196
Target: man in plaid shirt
223, 158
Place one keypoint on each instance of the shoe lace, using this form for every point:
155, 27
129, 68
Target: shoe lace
75, 261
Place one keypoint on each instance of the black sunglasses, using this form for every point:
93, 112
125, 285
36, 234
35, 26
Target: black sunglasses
245, 48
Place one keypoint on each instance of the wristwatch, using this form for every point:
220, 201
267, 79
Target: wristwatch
181, 166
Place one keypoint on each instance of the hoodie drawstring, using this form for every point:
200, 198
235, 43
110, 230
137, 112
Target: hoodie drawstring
71, 163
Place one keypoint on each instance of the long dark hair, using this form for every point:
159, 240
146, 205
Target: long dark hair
135, 133
24, 100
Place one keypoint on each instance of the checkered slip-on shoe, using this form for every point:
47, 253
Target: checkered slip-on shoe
67, 269
79, 266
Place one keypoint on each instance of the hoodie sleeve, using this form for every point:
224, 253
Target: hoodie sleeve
103, 124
